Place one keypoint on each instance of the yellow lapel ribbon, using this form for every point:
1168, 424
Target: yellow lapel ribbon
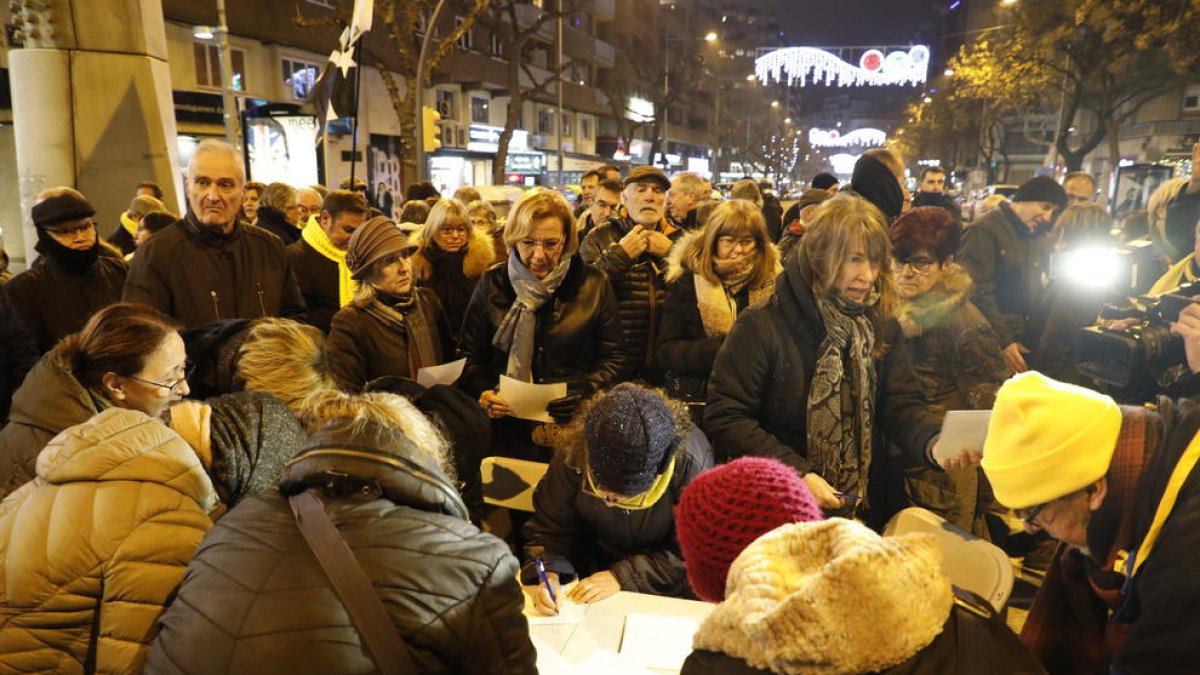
316, 238
129, 224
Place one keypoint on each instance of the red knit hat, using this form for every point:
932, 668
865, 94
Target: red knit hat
726, 508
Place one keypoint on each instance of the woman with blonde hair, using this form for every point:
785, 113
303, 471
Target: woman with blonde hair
392, 327
451, 256
288, 360
812, 376
376, 472
543, 316
712, 274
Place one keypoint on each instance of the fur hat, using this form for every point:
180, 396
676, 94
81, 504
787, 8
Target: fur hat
630, 433
724, 509
1041, 189
830, 598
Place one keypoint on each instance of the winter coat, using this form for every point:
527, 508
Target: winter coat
639, 286
362, 347
1064, 310
772, 210
450, 590
579, 340
959, 366
18, 354
276, 223
1006, 264
121, 502
759, 389
196, 275
578, 535
452, 276
49, 401
54, 302
685, 349
317, 277
811, 598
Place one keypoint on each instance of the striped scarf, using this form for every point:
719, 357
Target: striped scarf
316, 238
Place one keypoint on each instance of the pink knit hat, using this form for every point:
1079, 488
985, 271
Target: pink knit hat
726, 508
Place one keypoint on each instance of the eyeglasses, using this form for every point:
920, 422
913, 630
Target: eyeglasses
188, 369
85, 226
631, 503
1030, 514
746, 243
917, 265
547, 245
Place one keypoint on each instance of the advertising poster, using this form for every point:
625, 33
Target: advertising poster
283, 148
383, 174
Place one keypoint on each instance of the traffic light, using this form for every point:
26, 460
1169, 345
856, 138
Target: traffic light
430, 133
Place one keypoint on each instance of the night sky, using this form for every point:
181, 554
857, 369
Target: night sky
826, 23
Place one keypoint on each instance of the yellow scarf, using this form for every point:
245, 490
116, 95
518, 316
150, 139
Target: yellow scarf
646, 499
316, 238
129, 224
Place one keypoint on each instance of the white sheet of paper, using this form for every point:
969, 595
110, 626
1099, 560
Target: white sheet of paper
607, 662
528, 401
569, 612
962, 430
447, 373
549, 661
658, 642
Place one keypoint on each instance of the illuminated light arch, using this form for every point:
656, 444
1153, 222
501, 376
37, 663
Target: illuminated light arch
832, 138
802, 65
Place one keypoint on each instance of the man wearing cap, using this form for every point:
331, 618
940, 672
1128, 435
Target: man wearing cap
825, 181
208, 266
319, 258
1119, 486
1001, 253
631, 249
74, 277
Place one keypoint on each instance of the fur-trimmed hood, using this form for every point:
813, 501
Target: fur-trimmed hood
684, 255
480, 255
930, 311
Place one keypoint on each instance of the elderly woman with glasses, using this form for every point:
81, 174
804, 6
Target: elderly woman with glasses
954, 351
451, 256
391, 327
604, 511
543, 316
712, 274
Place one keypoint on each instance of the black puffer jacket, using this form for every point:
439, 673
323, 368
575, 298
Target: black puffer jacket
255, 599
758, 392
579, 535
639, 285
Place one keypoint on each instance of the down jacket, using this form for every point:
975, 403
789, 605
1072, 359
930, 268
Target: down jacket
759, 388
256, 600
91, 551
639, 285
47, 402
578, 535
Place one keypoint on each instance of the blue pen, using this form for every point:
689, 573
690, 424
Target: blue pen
846, 495
541, 570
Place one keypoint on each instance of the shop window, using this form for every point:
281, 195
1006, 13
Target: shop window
208, 66
299, 78
479, 110
545, 124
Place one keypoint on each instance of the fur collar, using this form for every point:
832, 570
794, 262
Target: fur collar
480, 255
684, 254
810, 597
930, 311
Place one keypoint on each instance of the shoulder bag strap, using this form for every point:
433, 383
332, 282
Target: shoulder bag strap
353, 587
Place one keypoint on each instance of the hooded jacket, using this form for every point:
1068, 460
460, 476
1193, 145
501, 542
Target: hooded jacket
55, 302
121, 502
49, 400
452, 276
876, 183
1000, 254
195, 275
257, 601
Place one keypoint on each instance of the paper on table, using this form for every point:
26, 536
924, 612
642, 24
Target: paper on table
606, 662
528, 401
658, 642
447, 373
569, 611
549, 661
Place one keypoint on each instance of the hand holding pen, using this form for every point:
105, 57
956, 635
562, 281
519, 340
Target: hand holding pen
545, 597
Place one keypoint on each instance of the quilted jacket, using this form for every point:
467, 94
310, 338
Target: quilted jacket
92, 548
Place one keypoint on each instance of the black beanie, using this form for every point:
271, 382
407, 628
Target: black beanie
877, 184
629, 433
60, 209
1041, 189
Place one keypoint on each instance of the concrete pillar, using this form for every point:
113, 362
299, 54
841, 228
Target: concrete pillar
92, 104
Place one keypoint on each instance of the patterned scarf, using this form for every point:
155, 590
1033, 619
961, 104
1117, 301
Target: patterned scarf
316, 238
406, 316
842, 398
516, 331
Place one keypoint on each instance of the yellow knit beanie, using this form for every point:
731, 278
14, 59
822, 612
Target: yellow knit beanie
1047, 439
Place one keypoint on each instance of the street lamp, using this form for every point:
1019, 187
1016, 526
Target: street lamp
709, 37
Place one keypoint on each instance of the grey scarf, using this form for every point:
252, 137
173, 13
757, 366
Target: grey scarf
516, 331
841, 401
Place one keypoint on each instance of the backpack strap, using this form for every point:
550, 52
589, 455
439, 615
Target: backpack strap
366, 610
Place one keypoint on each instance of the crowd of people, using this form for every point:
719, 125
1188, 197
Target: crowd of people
213, 426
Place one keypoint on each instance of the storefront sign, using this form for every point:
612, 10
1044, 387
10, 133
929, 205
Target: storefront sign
484, 138
525, 162
198, 108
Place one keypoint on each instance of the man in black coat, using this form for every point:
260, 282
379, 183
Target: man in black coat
319, 257
208, 266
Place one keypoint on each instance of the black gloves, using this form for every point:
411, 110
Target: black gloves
563, 409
